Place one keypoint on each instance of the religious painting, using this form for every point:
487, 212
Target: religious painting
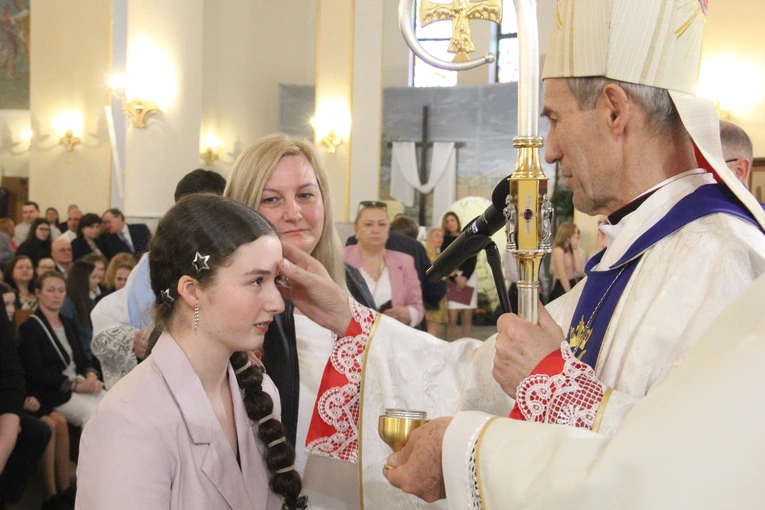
14, 54
757, 179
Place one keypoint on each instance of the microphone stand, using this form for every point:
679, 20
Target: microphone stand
492, 256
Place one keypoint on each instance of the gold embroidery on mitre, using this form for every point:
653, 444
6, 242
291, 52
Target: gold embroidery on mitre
697, 8
579, 336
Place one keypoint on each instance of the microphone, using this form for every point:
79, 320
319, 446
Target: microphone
474, 237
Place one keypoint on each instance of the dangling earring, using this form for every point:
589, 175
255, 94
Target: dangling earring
196, 317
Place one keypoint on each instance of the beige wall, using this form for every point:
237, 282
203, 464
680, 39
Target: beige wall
70, 62
250, 47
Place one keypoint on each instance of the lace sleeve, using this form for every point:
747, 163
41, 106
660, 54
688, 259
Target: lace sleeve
334, 429
114, 349
572, 397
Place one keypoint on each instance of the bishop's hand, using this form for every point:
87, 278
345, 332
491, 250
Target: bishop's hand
521, 346
416, 469
309, 287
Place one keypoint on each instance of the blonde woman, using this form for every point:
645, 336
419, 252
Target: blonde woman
119, 261
282, 178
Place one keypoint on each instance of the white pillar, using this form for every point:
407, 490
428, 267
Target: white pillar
164, 64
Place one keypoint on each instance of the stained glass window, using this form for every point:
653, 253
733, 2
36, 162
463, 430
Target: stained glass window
435, 39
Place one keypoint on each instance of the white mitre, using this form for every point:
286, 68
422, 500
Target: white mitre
647, 42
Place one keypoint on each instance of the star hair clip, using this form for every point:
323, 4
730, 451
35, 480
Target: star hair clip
166, 297
200, 262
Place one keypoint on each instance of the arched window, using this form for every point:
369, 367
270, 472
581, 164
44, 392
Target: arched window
435, 39
506, 45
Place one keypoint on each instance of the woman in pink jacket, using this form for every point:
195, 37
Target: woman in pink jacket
195, 425
390, 275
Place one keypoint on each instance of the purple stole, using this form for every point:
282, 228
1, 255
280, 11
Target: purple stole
603, 289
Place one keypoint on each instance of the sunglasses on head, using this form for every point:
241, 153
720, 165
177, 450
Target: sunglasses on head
372, 203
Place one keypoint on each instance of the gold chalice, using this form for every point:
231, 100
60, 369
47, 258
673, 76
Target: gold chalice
396, 425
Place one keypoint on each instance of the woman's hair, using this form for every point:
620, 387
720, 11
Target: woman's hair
564, 233
7, 226
443, 222
252, 170
56, 221
32, 237
120, 260
5, 288
215, 227
38, 282
95, 257
78, 288
8, 273
88, 220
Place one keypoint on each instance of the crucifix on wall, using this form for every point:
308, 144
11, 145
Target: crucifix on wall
413, 180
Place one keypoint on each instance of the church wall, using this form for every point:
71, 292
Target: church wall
250, 47
70, 63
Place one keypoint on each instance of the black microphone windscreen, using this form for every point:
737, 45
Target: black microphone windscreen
499, 195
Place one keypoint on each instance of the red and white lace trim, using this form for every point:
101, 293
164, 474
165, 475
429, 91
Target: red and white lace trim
334, 428
571, 397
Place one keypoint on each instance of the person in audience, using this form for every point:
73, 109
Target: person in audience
282, 178
9, 300
61, 253
64, 226
23, 438
54, 463
405, 225
8, 228
51, 216
459, 302
390, 275
121, 237
122, 320
437, 314
45, 265
213, 266
30, 211
6, 249
19, 274
738, 151
59, 374
118, 271
78, 302
71, 223
100, 262
566, 261
87, 240
38, 243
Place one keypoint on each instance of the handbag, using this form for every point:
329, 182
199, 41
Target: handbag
462, 295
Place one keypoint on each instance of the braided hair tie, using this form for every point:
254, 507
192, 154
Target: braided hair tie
265, 419
285, 470
274, 443
242, 368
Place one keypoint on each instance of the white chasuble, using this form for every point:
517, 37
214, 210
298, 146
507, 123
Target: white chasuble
679, 287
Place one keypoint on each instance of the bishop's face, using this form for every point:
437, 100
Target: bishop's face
579, 141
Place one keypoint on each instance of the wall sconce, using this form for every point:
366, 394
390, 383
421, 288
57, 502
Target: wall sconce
332, 123
137, 109
25, 140
68, 126
211, 148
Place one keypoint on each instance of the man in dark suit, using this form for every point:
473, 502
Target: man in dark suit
121, 237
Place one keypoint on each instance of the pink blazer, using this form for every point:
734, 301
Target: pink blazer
154, 442
404, 282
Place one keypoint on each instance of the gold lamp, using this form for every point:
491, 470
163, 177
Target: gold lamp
136, 108
68, 126
332, 123
211, 149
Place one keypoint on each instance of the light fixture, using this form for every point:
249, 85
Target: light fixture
137, 109
332, 123
25, 140
211, 148
68, 126
732, 83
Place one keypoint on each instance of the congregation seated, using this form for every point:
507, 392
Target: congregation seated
37, 244
44, 266
8, 228
59, 374
87, 240
117, 272
97, 287
51, 217
389, 274
19, 274
61, 253
7, 250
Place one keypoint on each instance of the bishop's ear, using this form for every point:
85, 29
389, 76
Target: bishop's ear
617, 107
